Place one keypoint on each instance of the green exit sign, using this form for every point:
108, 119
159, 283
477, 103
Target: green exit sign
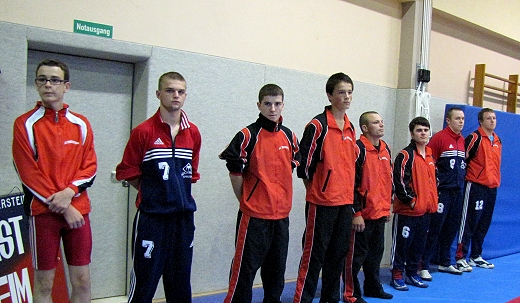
93, 29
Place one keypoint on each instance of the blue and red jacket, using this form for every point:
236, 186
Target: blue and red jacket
166, 168
449, 154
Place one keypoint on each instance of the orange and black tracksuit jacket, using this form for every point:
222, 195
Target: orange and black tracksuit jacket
415, 181
483, 158
265, 154
328, 161
374, 185
53, 150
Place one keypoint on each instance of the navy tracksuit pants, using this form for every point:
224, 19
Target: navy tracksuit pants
409, 239
162, 246
477, 212
444, 225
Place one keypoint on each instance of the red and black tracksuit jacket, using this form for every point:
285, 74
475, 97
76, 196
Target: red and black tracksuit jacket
264, 154
374, 186
414, 181
483, 158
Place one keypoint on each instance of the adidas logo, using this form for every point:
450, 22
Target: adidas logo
451, 146
158, 142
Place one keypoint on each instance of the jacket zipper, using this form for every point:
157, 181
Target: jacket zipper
326, 181
175, 166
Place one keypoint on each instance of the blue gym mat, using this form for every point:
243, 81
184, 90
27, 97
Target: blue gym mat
498, 285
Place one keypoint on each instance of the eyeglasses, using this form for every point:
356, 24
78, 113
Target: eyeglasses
52, 81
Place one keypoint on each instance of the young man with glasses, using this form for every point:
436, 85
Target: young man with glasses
161, 161
53, 151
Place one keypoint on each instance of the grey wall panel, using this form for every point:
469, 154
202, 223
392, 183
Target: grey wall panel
369, 97
13, 64
404, 113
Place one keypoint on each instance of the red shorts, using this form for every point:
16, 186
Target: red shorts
47, 229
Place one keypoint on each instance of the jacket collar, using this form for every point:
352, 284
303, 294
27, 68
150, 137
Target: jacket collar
268, 124
428, 150
452, 133
328, 115
369, 145
483, 133
185, 122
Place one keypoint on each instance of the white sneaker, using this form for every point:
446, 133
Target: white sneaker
449, 269
425, 275
463, 266
481, 263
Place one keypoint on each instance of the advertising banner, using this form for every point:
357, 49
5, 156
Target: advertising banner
16, 272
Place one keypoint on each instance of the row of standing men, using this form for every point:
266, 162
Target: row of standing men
349, 187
